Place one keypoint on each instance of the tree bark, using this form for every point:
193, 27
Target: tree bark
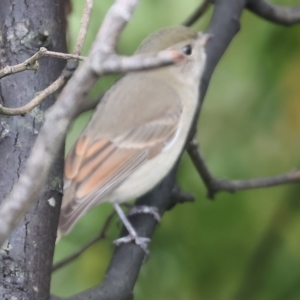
26, 258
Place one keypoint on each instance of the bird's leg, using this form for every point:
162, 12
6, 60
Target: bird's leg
133, 236
144, 209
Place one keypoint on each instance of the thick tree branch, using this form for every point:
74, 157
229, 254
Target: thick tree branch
287, 16
215, 185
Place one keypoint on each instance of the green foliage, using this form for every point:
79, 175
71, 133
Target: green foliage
242, 246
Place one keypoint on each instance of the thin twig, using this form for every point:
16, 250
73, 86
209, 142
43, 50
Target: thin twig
198, 13
64, 55
84, 24
215, 185
57, 84
283, 15
98, 237
29, 64
32, 62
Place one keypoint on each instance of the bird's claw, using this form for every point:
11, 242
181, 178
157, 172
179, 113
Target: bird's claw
142, 242
143, 209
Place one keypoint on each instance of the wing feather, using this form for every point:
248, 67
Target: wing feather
80, 205
73, 161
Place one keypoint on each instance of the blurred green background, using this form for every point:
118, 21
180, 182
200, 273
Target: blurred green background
242, 246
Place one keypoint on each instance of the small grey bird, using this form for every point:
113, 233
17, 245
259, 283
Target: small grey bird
136, 133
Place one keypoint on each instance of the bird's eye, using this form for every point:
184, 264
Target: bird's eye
187, 49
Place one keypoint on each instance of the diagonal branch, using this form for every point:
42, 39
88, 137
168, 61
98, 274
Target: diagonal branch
287, 16
215, 185
84, 25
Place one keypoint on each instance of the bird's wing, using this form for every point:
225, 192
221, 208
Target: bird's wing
95, 167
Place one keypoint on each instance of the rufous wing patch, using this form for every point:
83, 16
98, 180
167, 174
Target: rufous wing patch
90, 163
75, 156
104, 169
96, 147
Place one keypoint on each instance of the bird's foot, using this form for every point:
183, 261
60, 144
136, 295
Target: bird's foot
142, 242
144, 209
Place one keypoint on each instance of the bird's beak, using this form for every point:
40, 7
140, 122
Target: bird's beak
205, 37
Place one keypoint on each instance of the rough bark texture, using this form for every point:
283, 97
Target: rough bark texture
25, 26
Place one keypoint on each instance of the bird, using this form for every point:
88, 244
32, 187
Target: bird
136, 133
